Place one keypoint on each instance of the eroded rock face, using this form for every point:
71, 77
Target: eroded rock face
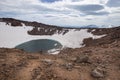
11, 21
111, 35
15, 23
116, 34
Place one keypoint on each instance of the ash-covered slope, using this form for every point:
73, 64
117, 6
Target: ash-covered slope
14, 32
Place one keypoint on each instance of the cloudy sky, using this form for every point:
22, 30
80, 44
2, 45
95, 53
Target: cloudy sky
63, 12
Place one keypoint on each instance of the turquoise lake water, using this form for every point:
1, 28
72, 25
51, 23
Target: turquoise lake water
39, 45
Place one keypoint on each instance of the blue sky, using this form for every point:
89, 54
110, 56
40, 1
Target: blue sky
64, 12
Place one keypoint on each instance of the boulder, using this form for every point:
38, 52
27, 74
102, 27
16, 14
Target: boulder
98, 73
68, 66
82, 59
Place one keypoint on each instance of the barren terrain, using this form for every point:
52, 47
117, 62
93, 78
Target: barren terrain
87, 63
99, 59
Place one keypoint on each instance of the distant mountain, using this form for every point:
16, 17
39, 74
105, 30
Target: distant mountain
107, 26
90, 26
85, 26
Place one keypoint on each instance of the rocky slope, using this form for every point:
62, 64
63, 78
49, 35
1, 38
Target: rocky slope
38, 28
88, 63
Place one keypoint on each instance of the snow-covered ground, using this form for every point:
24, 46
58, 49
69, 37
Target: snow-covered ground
12, 36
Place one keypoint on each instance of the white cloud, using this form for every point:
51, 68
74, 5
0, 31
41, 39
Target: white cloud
63, 12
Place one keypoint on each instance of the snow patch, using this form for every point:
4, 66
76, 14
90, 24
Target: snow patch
93, 30
55, 44
12, 36
54, 51
46, 30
